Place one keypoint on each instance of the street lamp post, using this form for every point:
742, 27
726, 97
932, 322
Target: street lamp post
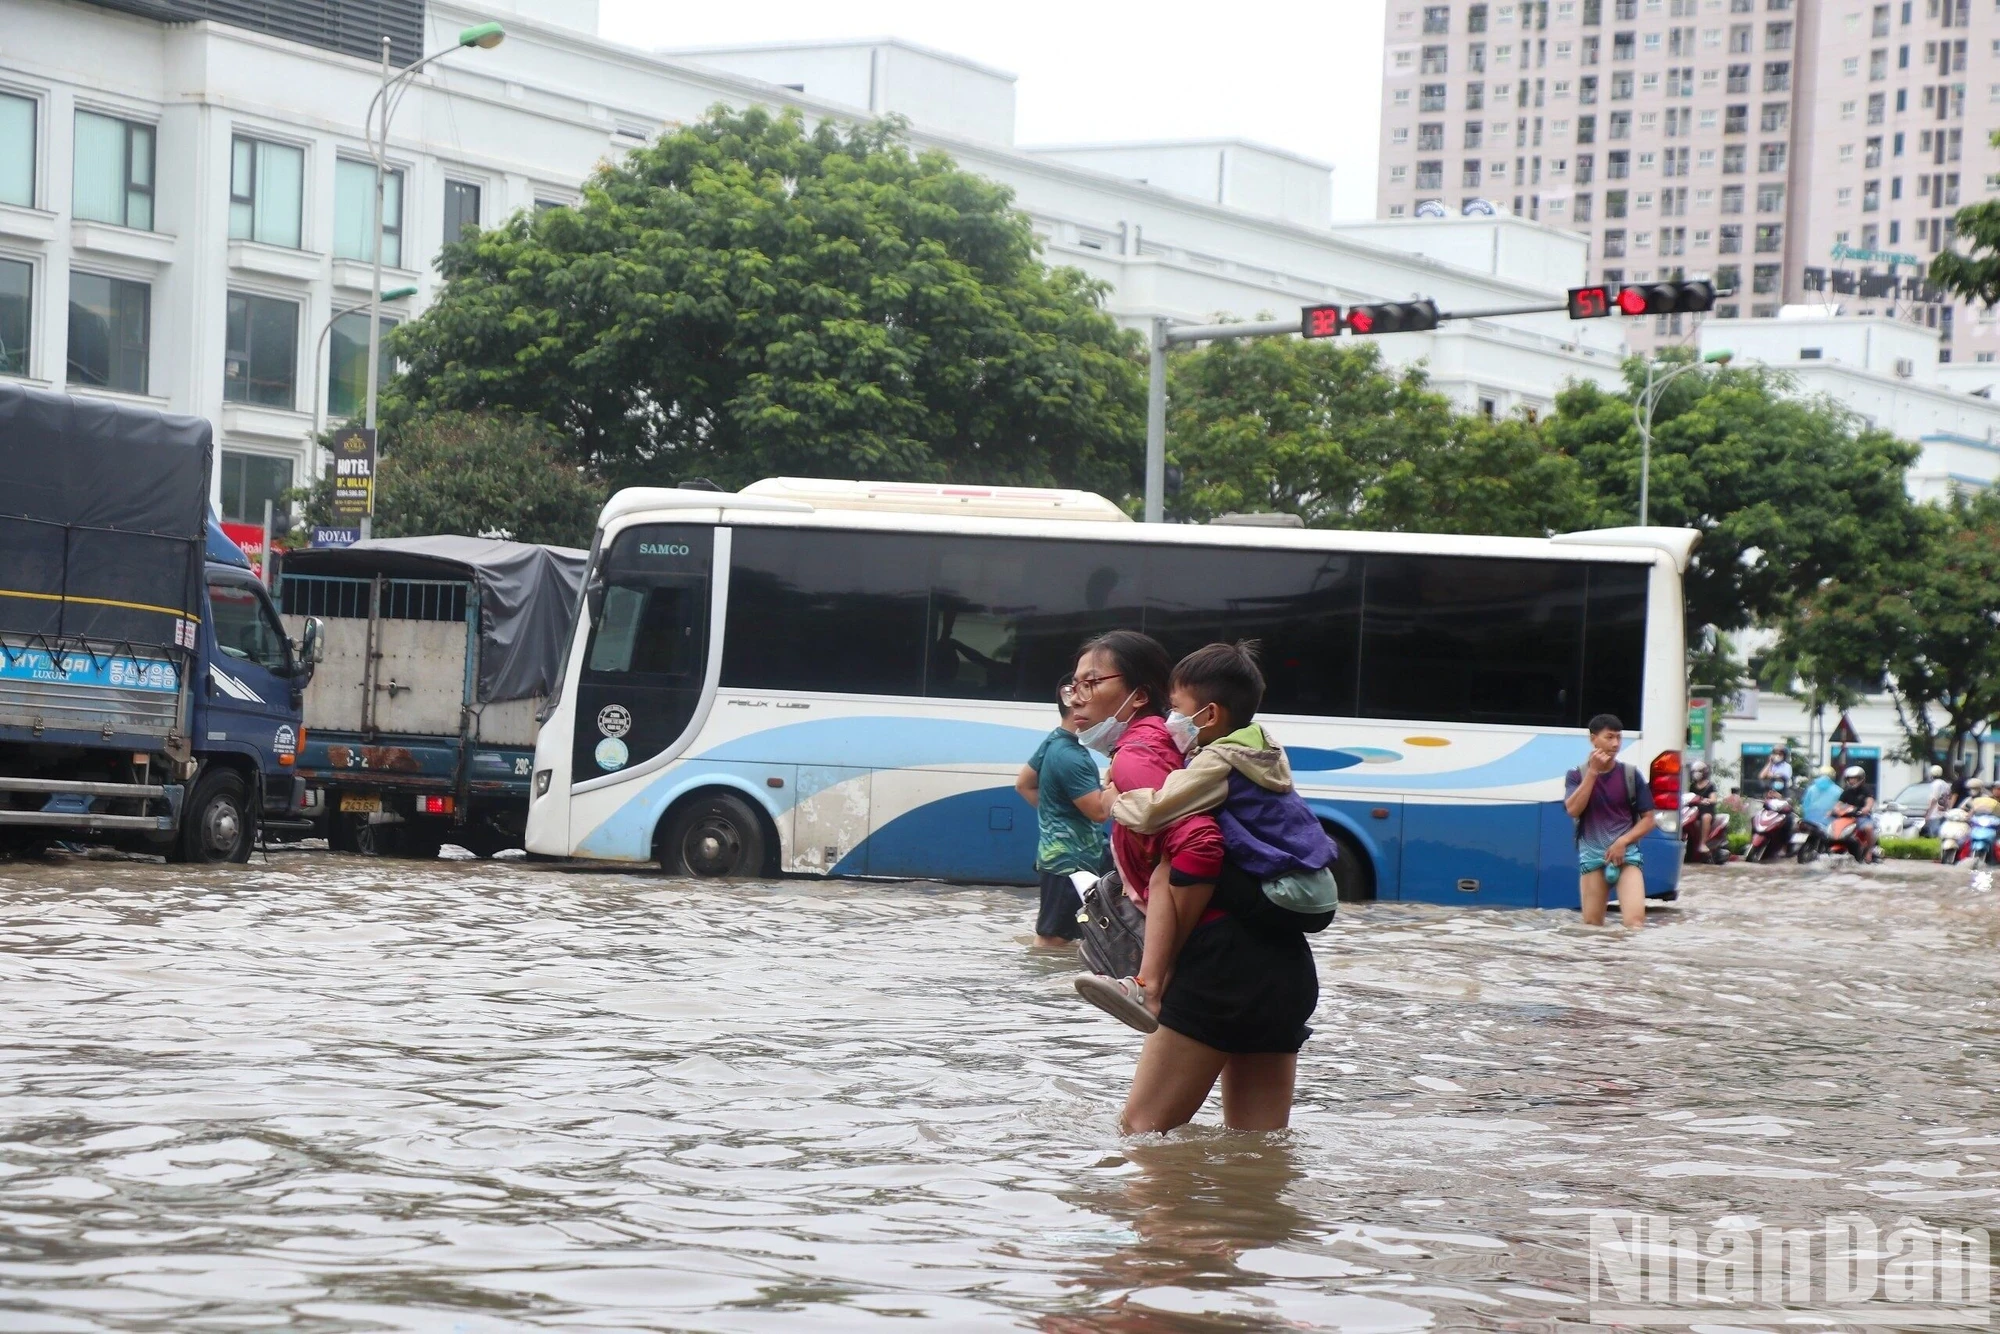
381, 110
1643, 408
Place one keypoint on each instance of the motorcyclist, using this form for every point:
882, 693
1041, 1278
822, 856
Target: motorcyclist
1979, 798
1858, 799
1776, 774
1701, 786
1940, 802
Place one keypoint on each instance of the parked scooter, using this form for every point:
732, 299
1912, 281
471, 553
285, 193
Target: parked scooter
1771, 828
1699, 844
1983, 848
1954, 836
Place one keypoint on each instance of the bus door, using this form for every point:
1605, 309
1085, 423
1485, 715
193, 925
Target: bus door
643, 670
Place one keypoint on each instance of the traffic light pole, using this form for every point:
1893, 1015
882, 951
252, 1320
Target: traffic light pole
1166, 335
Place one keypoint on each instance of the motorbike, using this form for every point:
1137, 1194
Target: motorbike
1954, 835
1714, 849
1771, 829
1843, 834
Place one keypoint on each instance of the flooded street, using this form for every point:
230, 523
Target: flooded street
325, 1093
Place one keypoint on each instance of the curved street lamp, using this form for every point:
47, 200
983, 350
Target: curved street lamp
1647, 403
381, 109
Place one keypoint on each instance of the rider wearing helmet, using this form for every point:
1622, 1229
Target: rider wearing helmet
1701, 786
1858, 797
1978, 797
1939, 803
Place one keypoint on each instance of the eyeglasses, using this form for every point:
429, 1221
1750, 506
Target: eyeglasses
1082, 687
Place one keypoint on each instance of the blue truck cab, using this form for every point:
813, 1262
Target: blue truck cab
149, 695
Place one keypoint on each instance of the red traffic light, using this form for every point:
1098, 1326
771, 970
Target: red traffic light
1393, 317
1589, 303
1632, 300
1319, 321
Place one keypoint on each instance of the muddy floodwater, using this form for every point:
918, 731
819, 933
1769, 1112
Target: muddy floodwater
323, 1093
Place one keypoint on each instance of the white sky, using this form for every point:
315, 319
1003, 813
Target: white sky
1306, 77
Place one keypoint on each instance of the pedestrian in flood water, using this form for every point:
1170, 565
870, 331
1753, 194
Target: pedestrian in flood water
1607, 800
1061, 782
1236, 1003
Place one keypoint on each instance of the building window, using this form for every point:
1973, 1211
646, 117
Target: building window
1620, 126
114, 171
248, 480
1777, 37
1475, 19
1770, 237
1774, 117
1430, 175
1614, 244
1430, 97
1764, 279
261, 357
1583, 207
1771, 157
1729, 238
461, 208
1617, 165
266, 192
17, 150
1778, 76
1437, 19
1733, 156
347, 364
1430, 137
109, 329
16, 293
353, 232
1469, 176
1436, 60
1771, 198
1475, 96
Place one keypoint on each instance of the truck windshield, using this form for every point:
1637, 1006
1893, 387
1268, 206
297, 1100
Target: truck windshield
245, 627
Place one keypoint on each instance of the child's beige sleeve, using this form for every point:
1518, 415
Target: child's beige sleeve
1202, 786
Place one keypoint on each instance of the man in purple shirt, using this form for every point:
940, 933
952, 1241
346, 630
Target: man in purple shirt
1612, 810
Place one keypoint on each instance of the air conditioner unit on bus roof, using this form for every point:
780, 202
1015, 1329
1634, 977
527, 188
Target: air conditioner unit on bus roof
992, 502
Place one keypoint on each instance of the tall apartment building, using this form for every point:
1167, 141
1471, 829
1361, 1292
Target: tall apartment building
1787, 149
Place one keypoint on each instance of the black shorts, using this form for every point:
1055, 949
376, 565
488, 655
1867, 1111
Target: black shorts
1060, 905
1242, 989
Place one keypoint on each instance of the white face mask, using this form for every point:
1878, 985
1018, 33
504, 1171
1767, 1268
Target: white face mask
1102, 736
1185, 731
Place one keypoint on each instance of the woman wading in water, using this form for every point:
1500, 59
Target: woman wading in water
1237, 1000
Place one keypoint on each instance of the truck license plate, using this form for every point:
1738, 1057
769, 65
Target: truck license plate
352, 805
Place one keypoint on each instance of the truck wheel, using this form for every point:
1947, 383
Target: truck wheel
716, 835
216, 825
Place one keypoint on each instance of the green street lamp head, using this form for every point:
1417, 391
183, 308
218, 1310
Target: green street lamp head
398, 293
485, 36
1720, 357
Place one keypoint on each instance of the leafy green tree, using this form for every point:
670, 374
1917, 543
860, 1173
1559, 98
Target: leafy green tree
1786, 492
474, 474
1973, 273
749, 297
1927, 620
1324, 430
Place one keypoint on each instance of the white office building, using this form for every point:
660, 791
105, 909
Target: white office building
185, 202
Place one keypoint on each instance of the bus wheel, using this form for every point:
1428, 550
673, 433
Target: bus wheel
216, 824
1353, 875
711, 836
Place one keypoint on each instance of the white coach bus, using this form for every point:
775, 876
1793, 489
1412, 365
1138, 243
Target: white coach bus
843, 678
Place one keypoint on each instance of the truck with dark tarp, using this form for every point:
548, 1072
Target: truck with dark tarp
149, 695
439, 653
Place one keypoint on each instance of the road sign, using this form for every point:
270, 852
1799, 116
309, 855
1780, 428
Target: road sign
1700, 712
1844, 733
354, 472
335, 537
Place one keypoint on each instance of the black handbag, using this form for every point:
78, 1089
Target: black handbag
1114, 929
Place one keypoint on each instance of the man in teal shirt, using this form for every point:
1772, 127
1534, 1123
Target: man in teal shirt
1061, 782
